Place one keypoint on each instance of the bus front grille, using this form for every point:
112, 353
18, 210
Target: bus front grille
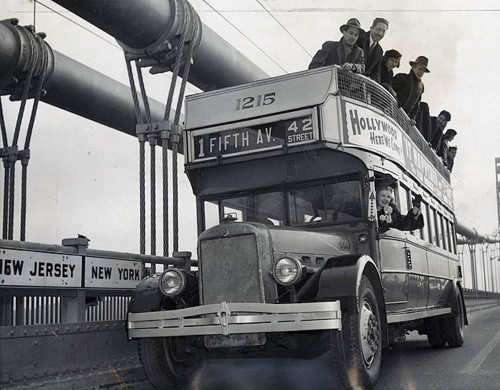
230, 270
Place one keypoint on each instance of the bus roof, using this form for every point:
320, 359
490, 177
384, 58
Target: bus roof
321, 105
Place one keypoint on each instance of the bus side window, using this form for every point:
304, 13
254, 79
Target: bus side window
448, 235
424, 232
444, 235
432, 226
439, 229
453, 237
403, 199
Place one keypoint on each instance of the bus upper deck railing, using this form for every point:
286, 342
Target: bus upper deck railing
365, 90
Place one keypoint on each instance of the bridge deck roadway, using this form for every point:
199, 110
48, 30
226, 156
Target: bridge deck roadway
412, 365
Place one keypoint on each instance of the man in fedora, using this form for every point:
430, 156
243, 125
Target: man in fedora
369, 42
409, 87
345, 53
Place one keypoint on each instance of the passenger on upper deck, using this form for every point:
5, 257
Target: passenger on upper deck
389, 216
345, 52
452, 153
443, 148
438, 124
389, 62
369, 42
423, 120
409, 87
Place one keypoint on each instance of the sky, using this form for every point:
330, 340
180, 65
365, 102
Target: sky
83, 177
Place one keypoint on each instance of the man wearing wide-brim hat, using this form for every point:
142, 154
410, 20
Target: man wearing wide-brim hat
409, 87
345, 53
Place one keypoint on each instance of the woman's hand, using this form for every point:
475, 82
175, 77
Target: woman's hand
349, 67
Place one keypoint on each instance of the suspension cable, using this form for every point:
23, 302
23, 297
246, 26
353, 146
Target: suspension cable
2, 126
6, 174
152, 169
169, 132
5, 197
26, 152
164, 149
176, 135
12, 159
142, 160
173, 81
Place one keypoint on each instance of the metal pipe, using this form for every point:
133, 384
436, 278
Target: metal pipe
81, 90
69, 84
472, 235
148, 26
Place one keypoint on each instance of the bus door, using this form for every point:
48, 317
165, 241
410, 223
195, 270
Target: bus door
404, 267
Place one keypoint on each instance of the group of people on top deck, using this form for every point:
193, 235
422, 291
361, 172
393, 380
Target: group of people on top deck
360, 52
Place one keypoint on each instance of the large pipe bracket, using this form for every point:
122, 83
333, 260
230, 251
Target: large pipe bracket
161, 55
150, 31
20, 45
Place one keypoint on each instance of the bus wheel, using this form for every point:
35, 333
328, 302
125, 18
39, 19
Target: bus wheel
454, 327
358, 356
165, 363
435, 333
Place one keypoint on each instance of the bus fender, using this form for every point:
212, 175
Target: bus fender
342, 275
340, 280
147, 296
456, 288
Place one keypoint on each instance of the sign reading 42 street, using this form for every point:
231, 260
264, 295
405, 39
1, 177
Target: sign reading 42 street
257, 137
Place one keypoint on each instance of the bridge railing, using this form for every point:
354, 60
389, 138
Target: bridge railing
470, 294
70, 283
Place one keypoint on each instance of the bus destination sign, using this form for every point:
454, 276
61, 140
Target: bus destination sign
263, 136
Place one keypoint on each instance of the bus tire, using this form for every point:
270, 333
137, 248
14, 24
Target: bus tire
357, 353
454, 327
435, 333
165, 366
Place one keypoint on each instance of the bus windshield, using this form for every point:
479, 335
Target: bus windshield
338, 202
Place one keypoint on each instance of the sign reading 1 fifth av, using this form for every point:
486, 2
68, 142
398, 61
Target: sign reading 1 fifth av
252, 138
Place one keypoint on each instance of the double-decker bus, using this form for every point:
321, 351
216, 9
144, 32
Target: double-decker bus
291, 257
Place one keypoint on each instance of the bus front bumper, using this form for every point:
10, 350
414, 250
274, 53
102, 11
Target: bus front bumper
236, 318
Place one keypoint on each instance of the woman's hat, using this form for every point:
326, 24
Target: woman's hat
353, 22
393, 54
421, 60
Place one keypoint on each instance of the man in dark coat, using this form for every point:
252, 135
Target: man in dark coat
409, 87
345, 53
438, 125
369, 42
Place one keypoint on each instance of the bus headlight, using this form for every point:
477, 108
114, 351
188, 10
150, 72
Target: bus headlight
287, 271
172, 282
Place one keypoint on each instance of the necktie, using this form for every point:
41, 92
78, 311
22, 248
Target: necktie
371, 48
